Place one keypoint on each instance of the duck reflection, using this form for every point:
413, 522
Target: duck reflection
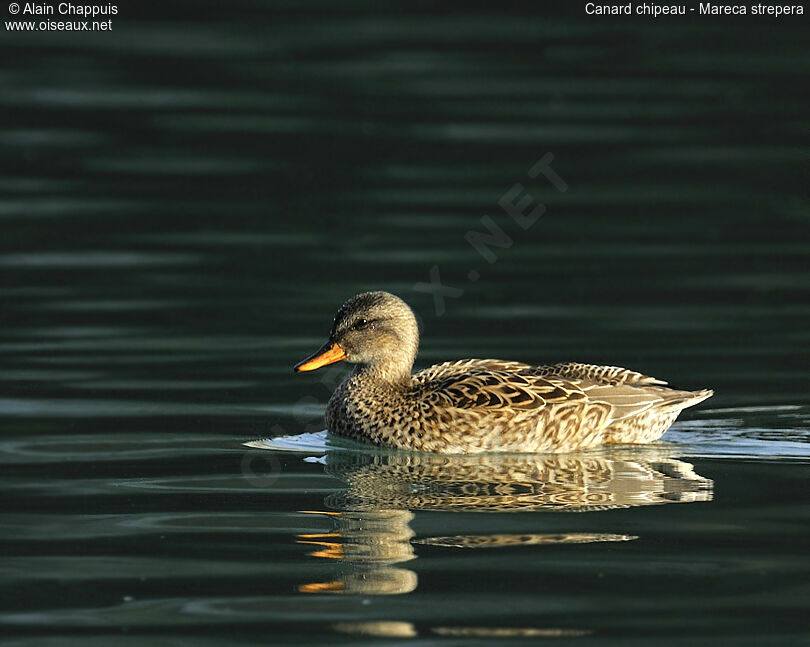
371, 517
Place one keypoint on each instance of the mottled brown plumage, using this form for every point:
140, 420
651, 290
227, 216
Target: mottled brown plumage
480, 405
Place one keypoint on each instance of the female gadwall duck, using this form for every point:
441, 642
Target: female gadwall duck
479, 405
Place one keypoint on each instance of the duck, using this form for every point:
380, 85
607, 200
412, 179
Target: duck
479, 405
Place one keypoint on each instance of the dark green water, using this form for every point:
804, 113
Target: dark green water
185, 201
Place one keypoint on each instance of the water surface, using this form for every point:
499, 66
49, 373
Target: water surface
187, 200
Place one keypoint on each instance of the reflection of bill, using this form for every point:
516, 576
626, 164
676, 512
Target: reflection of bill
372, 529
365, 544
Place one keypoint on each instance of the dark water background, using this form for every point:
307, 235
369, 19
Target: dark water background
186, 200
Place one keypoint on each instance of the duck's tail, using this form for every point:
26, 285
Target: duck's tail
649, 425
685, 399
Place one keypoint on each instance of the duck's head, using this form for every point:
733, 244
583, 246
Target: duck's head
374, 329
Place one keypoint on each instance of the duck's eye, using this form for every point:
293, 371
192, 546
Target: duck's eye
360, 324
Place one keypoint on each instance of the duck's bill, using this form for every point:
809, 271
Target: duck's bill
329, 353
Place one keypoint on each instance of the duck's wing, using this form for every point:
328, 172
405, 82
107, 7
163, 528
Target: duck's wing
628, 400
493, 385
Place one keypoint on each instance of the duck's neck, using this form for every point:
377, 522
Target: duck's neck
393, 373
